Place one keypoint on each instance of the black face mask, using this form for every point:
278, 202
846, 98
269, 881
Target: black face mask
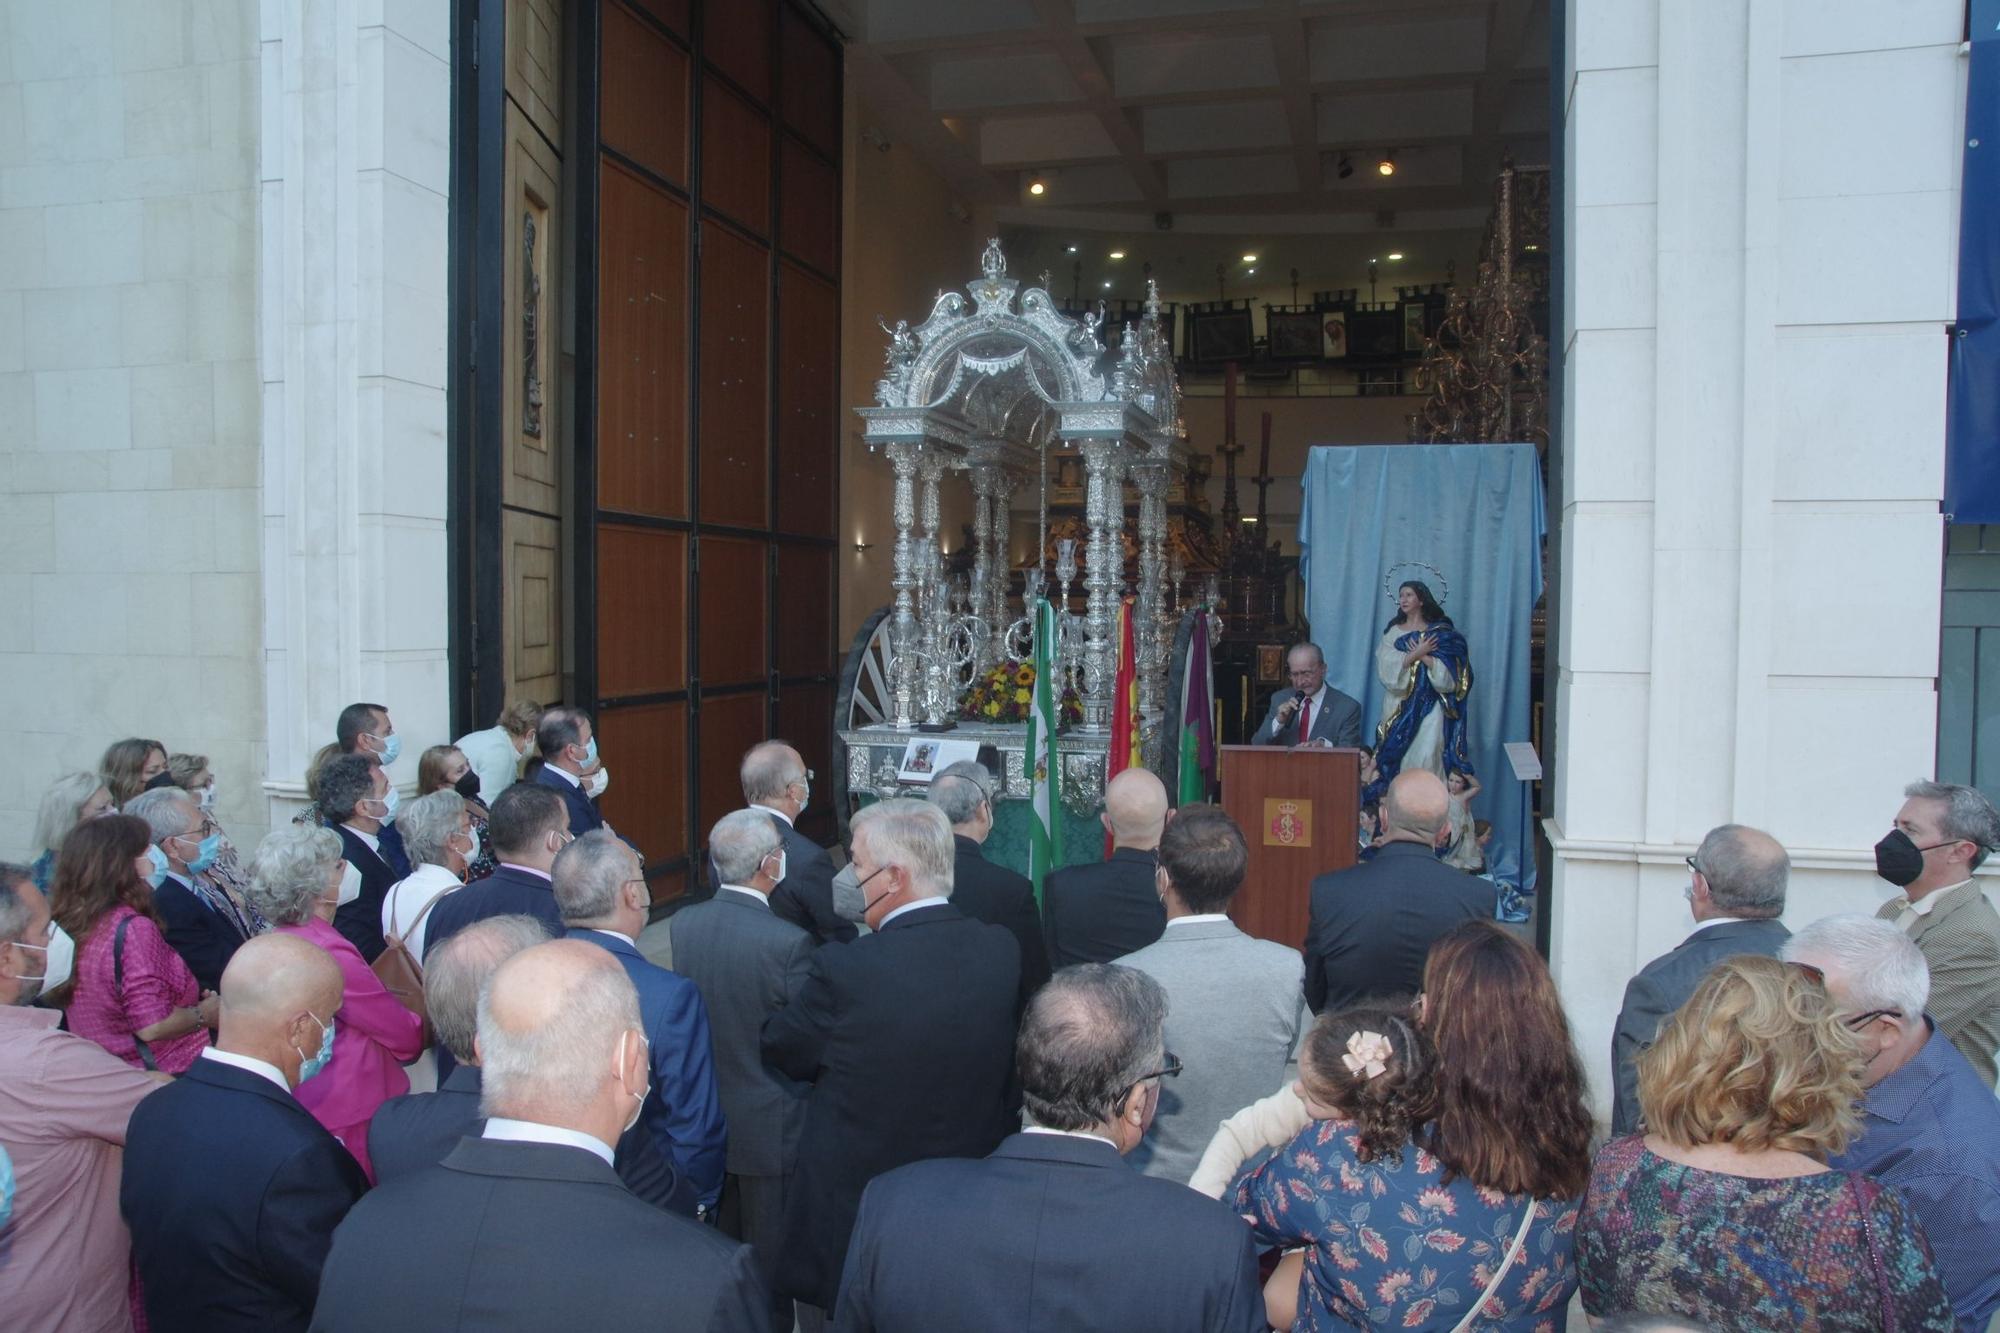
159, 780
467, 786
1899, 860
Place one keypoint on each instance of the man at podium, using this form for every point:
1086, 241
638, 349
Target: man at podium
1311, 710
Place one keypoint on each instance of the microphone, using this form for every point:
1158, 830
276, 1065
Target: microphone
1290, 707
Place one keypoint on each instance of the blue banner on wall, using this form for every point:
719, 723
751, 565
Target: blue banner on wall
1972, 450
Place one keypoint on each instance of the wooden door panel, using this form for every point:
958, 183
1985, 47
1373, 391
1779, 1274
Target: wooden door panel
735, 157
641, 610
733, 612
807, 493
534, 62
808, 82
530, 417
809, 214
736, 39
642, 377
644, 93
672, 13
645, 747
735, 381
729, 726
532, 611
802, 621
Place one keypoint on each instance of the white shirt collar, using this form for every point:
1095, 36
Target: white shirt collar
529, 1131
769, 811
1318, 696
614, 934
372, 840
1924, 905
911, 907
1717, 921
567, 776
761, 899
1199, 918
1070, 1134
527, 870
261, 1068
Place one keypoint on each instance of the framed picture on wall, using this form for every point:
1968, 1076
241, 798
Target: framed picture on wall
1293, 335
1375, 332
1221, 335
1333, 335
1413, 325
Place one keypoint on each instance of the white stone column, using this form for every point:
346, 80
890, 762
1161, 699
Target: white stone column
1760, 213
354, 171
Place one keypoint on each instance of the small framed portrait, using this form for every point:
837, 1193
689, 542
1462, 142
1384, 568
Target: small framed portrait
1270, 663
1222, 335
1293, 335
1414, 314
1333, 335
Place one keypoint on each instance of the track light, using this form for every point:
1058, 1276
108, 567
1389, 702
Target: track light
1249, 259
1117, 254
1387, 166
1346, 167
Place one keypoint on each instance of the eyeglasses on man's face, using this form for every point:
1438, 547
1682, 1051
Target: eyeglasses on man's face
1170, 1067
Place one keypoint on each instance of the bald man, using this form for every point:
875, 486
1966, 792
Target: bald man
527, 1226
1373, 925
232, 1190
1096, 913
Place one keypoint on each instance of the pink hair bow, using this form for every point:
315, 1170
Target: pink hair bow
1367, 1052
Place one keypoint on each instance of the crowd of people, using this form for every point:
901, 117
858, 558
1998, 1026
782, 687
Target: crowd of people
891, 1087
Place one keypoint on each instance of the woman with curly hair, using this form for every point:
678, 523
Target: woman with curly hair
1725, 1212
132, 765
1437, 1182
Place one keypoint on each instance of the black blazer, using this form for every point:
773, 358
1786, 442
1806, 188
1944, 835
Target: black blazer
747, 963
805, 898
1663, 986
204, 938
509, 889
1337, 720
420, 1129
907, 1036
1049, 1232
232, 1191
583, 816
361, 920
1373, 925
999, 897
1099, 913
530, 1236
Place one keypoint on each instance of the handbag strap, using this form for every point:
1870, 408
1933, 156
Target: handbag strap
1500, 1273
118, 988
1874, 1257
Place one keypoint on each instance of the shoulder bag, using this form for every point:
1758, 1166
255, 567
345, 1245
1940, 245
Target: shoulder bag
1500, 1273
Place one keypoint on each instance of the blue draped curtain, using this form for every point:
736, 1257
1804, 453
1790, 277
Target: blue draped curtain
1475, 512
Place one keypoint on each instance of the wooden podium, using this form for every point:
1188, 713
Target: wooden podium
1299, 810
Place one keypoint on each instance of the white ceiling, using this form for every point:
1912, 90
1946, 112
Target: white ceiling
1229, 114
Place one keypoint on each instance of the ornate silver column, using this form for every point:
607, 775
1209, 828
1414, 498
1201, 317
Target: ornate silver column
903, 631
930, 557
1000, 575
1104, 559
985, 482
1150, 475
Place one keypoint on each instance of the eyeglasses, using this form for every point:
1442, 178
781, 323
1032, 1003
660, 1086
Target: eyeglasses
1172, 1069
1692, 866
1860, 1021
1809, 972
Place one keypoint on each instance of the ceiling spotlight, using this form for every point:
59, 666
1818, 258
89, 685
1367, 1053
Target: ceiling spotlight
1249, 259
1253, 269
1037, 186
1531, 246
1117, 254
1395, 254
1346, 168
1387, 166
1070, 248
1107, 284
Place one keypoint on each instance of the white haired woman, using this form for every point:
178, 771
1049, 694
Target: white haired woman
70, 799
442, 843
295, 882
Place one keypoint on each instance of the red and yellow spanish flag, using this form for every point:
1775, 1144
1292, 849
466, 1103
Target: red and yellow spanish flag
1124, 706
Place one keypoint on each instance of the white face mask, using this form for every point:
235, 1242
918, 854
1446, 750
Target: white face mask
206, 798
62, 958
638, 1098
350, 884
596, 783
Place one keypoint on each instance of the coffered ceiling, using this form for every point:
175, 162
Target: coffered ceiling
1231, 115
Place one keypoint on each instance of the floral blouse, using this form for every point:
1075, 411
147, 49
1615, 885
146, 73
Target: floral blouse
1831, 1251
1394, 1246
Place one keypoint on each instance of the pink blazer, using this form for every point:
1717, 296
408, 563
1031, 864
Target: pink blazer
157, 982
373, 1035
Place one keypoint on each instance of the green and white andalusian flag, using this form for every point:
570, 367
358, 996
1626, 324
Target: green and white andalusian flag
1045, 829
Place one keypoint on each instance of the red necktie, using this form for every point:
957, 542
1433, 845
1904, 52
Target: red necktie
1305, 719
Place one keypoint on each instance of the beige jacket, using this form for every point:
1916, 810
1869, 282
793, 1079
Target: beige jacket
1960, 940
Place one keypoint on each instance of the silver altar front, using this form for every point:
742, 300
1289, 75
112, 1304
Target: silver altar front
985, 388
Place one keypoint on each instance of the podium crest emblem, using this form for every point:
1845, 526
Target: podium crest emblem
1287, 822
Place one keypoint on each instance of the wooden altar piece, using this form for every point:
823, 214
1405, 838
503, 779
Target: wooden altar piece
1299, 810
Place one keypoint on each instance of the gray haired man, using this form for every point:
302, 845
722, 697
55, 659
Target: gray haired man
1736, 892
984, 891
1943, 834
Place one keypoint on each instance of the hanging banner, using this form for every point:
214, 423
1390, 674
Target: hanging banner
1972, 435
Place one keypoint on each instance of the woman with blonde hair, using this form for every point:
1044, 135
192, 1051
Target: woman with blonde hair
1725, 1211
444, 768
130, 766
69, 801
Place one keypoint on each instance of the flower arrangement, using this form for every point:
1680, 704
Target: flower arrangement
1006, 694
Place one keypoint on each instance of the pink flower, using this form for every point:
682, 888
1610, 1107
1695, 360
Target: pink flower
1534, 1284
1350, 1180
1300, 1190
1418, 1312
1409, 1214
1448, 1241
1355, 1296
1371, 1241
1392, 1286
1492, 1198
1343, 1257
1438, 1199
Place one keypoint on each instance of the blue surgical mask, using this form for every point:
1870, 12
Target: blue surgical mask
211, 847
590, 752
158, 874
312, 1064
6, 1187
392, 746
389, 801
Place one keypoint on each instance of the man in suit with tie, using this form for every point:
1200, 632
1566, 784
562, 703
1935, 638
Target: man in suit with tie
526, 826
527, 1226
1095, 913
1312, 711
906, 1036
568, 747
980, 889
776, 781
204, 925
357, 801
604, 900
1943, 834
420, 1129
1372, 926
231, 1189
1053, 1230
1738, 891
367, 729
1233, 1003
748, 963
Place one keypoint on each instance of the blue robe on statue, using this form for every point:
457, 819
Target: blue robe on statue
1423, 725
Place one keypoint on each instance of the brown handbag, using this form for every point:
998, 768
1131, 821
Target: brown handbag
401, 974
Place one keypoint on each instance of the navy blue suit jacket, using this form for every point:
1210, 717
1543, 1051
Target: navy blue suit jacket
361, 920
684, 1108
1049, 1232
204, 938
508, 890
232, 1191
583, 816
420, 1129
